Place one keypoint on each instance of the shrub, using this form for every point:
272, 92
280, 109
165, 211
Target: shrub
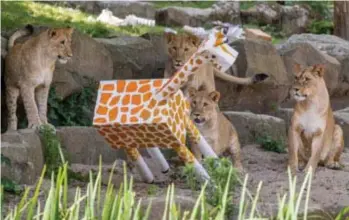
270, 144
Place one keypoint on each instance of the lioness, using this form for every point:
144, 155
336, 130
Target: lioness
313, 136
213, 125
29, 69
180, 47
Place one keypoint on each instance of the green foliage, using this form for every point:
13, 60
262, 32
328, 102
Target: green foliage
53, 154
152, 190
320, 8
10, 186
321, 27
16, 14
219, 171
5, 160
192, 4
75, 110
122, 203
270, 144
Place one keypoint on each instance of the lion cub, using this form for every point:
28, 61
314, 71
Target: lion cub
314, 138
213, 125
180, 47
29, 70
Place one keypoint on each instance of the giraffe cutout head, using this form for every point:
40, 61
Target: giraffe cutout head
214, 49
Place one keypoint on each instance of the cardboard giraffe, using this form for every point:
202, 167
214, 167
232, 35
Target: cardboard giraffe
133, 114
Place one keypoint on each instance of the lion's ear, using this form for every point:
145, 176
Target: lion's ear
319, 69
52, 32
195, 40
192, 92
215, 95
70, 30
169, 37
297, 68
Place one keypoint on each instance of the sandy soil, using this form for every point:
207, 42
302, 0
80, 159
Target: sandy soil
329, 190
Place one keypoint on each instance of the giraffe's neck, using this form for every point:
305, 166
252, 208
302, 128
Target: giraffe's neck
181, 76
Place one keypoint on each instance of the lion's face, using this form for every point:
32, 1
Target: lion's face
181, 47
306, 82
203, 105
60, 42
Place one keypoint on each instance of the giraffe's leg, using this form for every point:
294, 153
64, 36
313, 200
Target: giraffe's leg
185, 155
159, 158
142, 167
197, 139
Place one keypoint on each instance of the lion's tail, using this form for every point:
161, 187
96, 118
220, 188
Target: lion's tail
259, 77
27, 30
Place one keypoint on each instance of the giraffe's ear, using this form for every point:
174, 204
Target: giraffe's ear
192, 92
215, 95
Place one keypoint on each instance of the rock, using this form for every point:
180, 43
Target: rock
257, 34
90, 61
306, 54
286, 115
84, 146
186, 203
294, 19
226, 11
289, 19
342, 119
249, 126
24, 150
262, 13
3, 47
135, 57
329, 44
180, 16
255, 56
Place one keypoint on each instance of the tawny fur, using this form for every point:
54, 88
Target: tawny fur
180, 47
213, 125
29, 70
314, 138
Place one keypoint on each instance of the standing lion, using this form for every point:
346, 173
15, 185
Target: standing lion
29, 70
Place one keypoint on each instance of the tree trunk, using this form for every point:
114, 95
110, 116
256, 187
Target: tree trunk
341, 19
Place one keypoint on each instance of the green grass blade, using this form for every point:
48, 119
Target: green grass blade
197, 203
254, 204
241, 215
34, 200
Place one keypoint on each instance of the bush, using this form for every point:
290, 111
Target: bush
321, 27
270, 144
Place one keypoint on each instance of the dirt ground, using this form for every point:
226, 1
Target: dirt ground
329, 190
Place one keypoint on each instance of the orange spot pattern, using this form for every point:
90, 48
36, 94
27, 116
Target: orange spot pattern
129, 116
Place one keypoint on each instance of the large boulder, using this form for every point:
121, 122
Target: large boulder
24, 151
342, 119
250, 126
329, 44
136, 57
84, 145
294, 19
180, 16
224, 11
306, 54
255, 56
289, 19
